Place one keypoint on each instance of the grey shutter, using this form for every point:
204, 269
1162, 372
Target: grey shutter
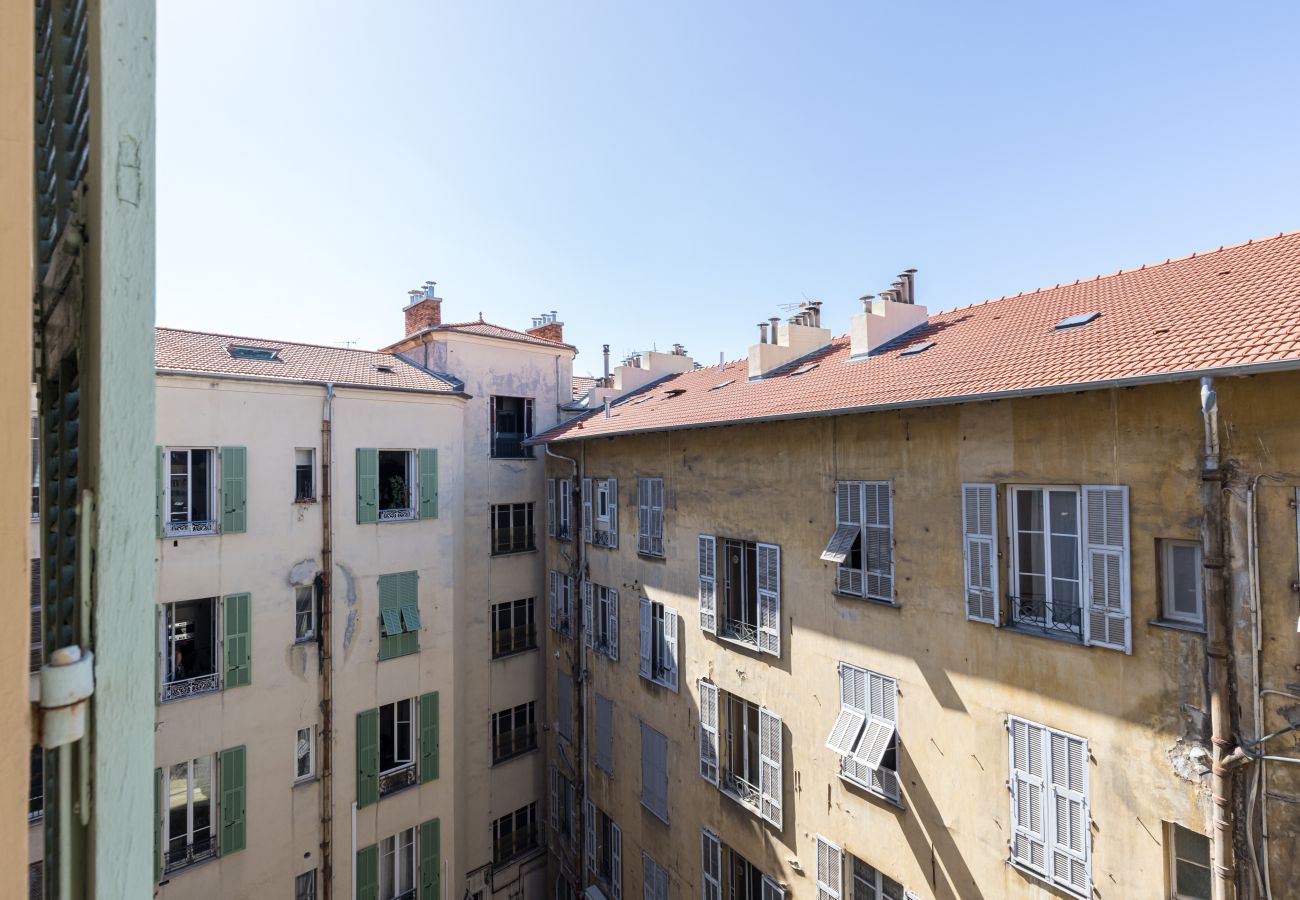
613, 513
643, 544
1105, 567
564, 705
647, 877
647, 639
711, 865
565, 529
605, 734
615, 861
586, 510
979, 527
588, 619
769, 766
1067, 809
708, 559
555, 600
654, 771
657, 517
550, 506
708, 731
555, 798
878, 540
830, 869
853, 715
1027, 783
670, 648
611, 624
848, 525
590, 819
769, 599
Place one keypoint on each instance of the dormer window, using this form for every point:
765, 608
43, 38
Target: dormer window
261, 354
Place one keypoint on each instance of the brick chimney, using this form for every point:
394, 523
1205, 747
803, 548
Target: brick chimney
424, 310
548, 327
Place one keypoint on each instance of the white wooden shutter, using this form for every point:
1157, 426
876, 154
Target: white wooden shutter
853, 712
708, 731
613, 513
611, 624
979, 525
615, 861
1027, 782
848, 521
588, 618
878, 540
711, 865
586, 510
769, 599
877, 737
555, 600
643, 515
657, 516
647, 638
566, 508
1105, 566
1067, 812
591, 835
709, 583
670, 647
772, 890
769, 766
555, 798
550, 506
830, 869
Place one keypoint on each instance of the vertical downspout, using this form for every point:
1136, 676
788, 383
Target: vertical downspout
1217, 617
326, 646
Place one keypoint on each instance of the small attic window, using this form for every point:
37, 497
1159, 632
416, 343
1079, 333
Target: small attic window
1075, 321
384, 370
265, 354
723, 384
918, 348
803, 370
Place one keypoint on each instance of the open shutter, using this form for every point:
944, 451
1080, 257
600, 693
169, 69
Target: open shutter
647, 638
670, 647
612, 485
239, 665
708, 731
1067, 812
550, 506
157, 824
1105, 566
160, 492
367, 757
709, 583
711, 865
615, 861
877, 736
427, 483
830, 869
588, 617
769, 766
590, 819
772, 890
853, 712
565, 528
878, 540
979, 527
368, 873
611, 625
234, 490
430, 860
367, 486
428, 736
848, 521
1028, 842
586, 510
555, 600
769, 599
233, 831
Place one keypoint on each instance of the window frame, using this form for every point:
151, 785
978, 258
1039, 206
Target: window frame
511, 609
1017, 619
514, 732
871, 710
411, 509
650, 517
191, 856
1049, 792
1167, 614
195, 685
399, 764
190, 527
393, 847
499, 830
304, 885
494, 434
310, 774
310, 496
876, 886
663, 633
512, 546
1173, 857
309, 635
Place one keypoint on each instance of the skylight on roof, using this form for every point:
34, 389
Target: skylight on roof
723, 384
640, 400
917, 348
265, 354
804, 369
1075, 321
386, 370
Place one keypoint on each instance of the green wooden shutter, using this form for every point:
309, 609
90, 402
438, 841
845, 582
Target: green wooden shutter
368, 873
409, 597
428, 484
367, 757
430, 859
428, 736
160, 516
157, 824
396, 590
367, 485
234, 490
232, 801
239, 663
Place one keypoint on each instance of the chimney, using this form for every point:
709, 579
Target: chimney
548, 327
604, 382
891, 316
424, 310
786, 342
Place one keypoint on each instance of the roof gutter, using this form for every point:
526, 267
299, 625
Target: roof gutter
262, 379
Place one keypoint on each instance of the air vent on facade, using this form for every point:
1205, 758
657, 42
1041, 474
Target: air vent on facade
723, 384
265, 354
918, 348
1075, 321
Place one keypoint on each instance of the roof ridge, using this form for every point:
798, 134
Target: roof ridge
249, 337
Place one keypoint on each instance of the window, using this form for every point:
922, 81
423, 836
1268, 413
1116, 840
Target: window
650, 516
605, 734
711, 865
1189, 863
512, 422
871, 884
562, 603
36, 468
399, 614
304, 475
654, 771
261, 354
862, 546
980, 539
1050, 835
396, 483
659, 644
36, 785
189, 642
514, 732
654, 879
747, 881
564, 818
746, 763
1069, 562
600, 610
605, 851
388, 738
187, 826
748, 607
559, 508
1180, 583
304, 755
191, 492
396, 746
514, 835
600, 501
564, 705
397, 866
865, 733
304, 886
304, 613
512, 528
513, 630
35, 649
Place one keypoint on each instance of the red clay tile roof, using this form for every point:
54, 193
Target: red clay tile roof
198, 351
1235, 308
487, 329
582, 385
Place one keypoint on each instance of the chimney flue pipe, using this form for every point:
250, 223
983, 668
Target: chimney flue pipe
605, 350
910, 275
762, 332
774, 320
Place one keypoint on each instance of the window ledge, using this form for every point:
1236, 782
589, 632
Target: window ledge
514, 756
514, 653
883, 798
190, 866
1060, 638
1042, 879
304, 641
662, 817
652, 557
658, 683
303, 782
512, 553
530, 457
520, 858
1178, 626
860, 599
303, 501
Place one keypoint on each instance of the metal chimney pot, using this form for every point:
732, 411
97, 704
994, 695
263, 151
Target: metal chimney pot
762, 333
775, 320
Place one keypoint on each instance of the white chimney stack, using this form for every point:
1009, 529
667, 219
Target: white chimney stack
787, 342
881, 321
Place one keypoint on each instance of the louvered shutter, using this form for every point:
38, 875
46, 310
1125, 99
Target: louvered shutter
708, 558
605, 734
643, 515
555, 600
235, 614
427, 483
647, 877
429, 741
878, 540
709, 731
853, 714
670, 648
830, 869
233, 795
550, 506
368, 873
430, 859
647, 639
711, 865
586, 510
1028, 836
590, 819
565, 529
588, 617
769, 766
1106, 566
1067, 812
564, 705
848, 528
615, 861
654, 771
979, 527
772, 890
769, 599
157, 824
160, 504
367, 485
661, 883
234, 490
367, 757
612, 540
611, 624
555, 798
657, 516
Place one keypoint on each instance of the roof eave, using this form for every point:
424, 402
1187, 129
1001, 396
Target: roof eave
313, 382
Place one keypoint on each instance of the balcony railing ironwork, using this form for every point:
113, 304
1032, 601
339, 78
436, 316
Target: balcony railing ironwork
191, 687
1038, 614
396, 779
201, 849
396, 515
739, 789
734, 630
183, 529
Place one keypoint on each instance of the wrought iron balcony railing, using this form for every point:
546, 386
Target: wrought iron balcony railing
202, 848
177, 528
191, 687
395, 780
1049, 617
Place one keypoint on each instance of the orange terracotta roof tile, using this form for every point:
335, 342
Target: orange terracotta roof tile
582, 385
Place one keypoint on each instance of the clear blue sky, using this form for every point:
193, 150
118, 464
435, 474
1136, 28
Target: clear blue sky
675, 171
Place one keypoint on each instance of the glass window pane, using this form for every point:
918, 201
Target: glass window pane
1192, 846
201, 486
1029, 510
387, 853
1065, 512
1065, 556
1193, 881
202, 798
1185, 563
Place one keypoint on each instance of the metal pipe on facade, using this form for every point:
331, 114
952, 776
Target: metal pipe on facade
325, 646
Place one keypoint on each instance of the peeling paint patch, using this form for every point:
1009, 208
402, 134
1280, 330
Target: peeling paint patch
349, 628
1190, 761
350, 598
303, 572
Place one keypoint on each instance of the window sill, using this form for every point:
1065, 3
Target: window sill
514, 653
1060, 638
652, 557
169, 874
513, 552
658, 682
303, 782
860, 599
871, 792
519, 858
35, 818
1178, 626
1043, 880
530, 457
662, 817
304, 641
303, 501
514, 756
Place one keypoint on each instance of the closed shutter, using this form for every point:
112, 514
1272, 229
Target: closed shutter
160, 492
661, 883
613, 513
408, 585
830, 869
708, 731
367, 757
586, 510
234, 490
643, 543
647, 877
590, 819
368, 873
708, 557
772, 890
238, 653
564, 704
550, 506
670, 648
979, 527
430, 860
769, 599
1068, 812
1028, 836
588, 617
654, 771
427, 483
853, 713
611, 625
647, 639
769, 766
711, 865
878, 540
429, 738
367, 487
565, 528
605, 734
555, 798
615, 861
398, 590
1106, 566
233, 828
157, 824
555, 600
657, 517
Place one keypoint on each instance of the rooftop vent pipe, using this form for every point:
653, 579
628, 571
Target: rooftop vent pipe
909, 275
866, 301
605, 381
762, 332
774, 320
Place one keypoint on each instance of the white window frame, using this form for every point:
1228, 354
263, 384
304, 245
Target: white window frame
602, 500
854, 503
650, 516
564, 509
182, 689
214, 813
394, 851
1173, 857
866, 729
188, 527
304, 886
660, 647
408, 761
301, 636
410, 511
562, 603
762, 634
871, 886
600, 618
654, 879
762, 795
600, 530
308, 736
1167, 611
600, 835
1052, 790
710, 865
311, 463
1050, 602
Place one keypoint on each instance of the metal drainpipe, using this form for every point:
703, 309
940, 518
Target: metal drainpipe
1217, 622
326, 741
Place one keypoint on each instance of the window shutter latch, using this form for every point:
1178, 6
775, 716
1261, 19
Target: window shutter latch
67, 681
